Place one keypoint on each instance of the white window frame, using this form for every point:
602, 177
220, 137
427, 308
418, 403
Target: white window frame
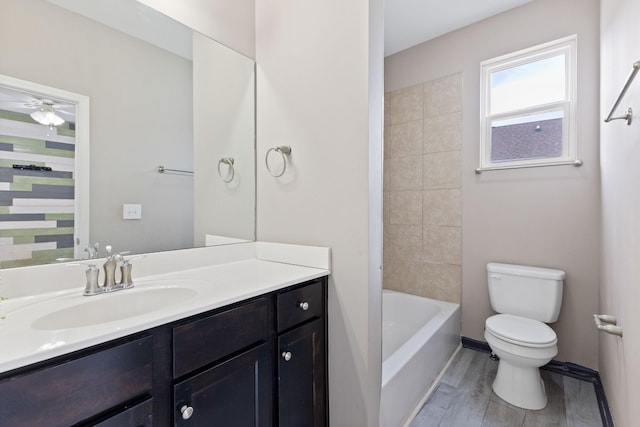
567, 46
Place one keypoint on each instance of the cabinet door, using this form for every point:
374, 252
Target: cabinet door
234, 393
301, 376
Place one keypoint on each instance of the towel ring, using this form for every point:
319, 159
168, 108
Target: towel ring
284, 151
230, 171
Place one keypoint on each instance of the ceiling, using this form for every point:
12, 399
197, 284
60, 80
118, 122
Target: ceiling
411, 22
137, 20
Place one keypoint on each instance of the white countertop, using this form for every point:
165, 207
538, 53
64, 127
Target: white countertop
209, 287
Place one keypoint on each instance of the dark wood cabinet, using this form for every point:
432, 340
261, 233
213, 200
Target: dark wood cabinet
200, 342
259, 362
301, 355
302, 376
236, 392
75, 389
138, 415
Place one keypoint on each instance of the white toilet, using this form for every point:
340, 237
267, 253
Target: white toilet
526, 298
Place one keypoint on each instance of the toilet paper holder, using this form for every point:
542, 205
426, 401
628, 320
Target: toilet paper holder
607, 323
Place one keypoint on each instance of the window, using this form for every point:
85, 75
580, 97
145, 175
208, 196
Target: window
528, 107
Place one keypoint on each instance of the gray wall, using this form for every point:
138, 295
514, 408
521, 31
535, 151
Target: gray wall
538, 216
620, 154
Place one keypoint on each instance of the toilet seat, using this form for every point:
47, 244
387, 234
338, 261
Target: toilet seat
521, 330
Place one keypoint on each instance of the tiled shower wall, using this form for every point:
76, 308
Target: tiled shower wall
422, 189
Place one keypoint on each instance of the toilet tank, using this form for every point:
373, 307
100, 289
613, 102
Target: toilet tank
532, 292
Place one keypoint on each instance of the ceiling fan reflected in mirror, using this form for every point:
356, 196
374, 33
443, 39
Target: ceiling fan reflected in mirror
47, 111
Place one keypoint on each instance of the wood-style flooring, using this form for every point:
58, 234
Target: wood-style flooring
464, 398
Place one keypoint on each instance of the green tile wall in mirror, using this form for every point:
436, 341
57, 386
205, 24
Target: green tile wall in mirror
155, 94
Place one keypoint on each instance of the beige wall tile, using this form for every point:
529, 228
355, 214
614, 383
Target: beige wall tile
442, 207
442, 281
403, 242
386, 175
386, 217
443, 96
443, 133
442, 244
387, 108
405, 207
403, 139
442, 170
386, 139
402, 276
422, 199
416, 287
406, 105
403, 173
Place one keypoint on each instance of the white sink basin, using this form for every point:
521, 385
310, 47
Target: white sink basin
114, 306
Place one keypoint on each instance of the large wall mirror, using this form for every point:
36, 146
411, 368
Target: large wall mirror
158, 94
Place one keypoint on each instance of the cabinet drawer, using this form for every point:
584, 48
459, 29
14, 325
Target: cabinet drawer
140, 415
77, 389
200, 342
299, 305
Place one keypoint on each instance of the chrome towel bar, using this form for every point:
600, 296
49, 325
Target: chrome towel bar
162, 169
629, 114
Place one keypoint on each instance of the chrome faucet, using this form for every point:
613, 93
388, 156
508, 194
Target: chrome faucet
110, 265
92, 250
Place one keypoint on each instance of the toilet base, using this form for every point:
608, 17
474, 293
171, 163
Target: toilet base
520, 386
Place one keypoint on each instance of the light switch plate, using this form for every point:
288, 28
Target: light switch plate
131, 211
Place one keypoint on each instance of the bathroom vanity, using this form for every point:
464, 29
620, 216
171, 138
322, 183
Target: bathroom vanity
251, 358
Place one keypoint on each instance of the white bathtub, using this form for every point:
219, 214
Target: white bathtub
418, 337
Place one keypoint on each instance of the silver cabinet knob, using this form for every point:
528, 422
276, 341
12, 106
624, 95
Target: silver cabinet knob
286, 355
304, 305
186, 411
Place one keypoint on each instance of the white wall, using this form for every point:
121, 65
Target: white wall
232, 23
316, 79
540, 216
620, 156
224, 126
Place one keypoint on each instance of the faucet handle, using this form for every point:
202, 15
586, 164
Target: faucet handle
92, 250
125, 275
119, 257
92, 287
109, 250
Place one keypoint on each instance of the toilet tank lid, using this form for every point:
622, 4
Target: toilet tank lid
525, 270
